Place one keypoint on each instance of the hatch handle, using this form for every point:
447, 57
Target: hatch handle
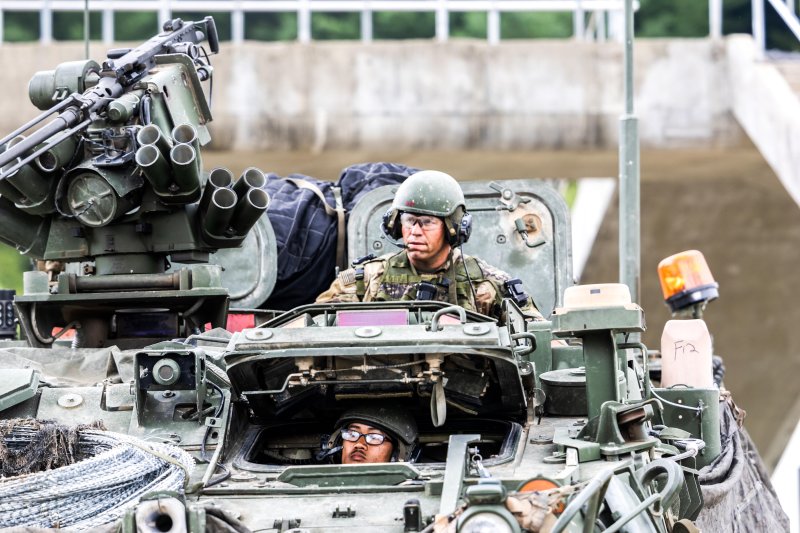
520, 351
462, 315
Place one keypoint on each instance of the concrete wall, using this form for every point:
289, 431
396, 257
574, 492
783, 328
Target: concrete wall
457, 95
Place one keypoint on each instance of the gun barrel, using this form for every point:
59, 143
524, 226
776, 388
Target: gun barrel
67, 118
249, 209
220, 211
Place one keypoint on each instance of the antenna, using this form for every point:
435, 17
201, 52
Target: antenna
629, 198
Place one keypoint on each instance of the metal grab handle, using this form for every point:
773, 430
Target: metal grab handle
524, 350
462, 315
523, 231
674, 482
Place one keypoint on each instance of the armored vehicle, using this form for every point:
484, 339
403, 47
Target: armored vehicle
155, 417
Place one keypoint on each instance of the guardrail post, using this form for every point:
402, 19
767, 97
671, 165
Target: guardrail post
237, 25
759, 30
578, 22
493, 26
303, 21
46, 24
715, 19
108, 26
164, 14
366, 26
442, 21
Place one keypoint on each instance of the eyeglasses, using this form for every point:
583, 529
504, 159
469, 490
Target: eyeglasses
373, 439
426, 223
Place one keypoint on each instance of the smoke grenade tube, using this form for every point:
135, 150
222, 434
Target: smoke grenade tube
249, 210
151, 134
155, 167
32, 185
220, 211
58, 156
219, 178
251, 177
22, 230
187, 134
9, 192
184, 167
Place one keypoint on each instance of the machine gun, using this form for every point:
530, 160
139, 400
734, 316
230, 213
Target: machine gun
111, 186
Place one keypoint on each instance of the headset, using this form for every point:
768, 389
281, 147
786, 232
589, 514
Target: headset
459, 225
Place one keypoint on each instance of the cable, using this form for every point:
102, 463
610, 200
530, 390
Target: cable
469, 279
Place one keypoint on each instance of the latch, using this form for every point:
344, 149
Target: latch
508, 198
346, 512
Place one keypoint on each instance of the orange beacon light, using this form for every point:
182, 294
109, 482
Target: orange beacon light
686, 280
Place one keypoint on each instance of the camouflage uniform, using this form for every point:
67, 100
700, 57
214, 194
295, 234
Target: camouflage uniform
393, 277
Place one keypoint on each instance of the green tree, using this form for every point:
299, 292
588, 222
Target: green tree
468, 24
20, 26
260, 26
328, 26
68, 25
12, 264
135, 26
524, 25
403, 25
678, 18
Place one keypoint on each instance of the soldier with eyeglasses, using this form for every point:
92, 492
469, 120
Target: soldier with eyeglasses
372, 433
429, 215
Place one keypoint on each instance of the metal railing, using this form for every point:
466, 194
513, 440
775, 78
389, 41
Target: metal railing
786, 9
592, 19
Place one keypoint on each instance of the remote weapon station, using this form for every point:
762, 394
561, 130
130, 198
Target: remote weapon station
129, 405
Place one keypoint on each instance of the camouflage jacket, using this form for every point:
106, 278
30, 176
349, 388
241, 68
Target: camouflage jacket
478, 286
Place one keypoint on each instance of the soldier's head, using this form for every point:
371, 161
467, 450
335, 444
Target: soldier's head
429, 213
375, 434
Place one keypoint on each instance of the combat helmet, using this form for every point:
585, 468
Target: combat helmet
430, 192
396, 422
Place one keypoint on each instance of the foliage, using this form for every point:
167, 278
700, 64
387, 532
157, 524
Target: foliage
468, 24
20, 26
68, 25
270, 26
327, 26
403, 25
135, 26
535, 25
12, 264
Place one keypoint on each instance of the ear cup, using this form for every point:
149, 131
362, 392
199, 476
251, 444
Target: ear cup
465, 228
390, 224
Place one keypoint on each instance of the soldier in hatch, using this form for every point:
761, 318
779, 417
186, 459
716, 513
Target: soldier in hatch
429, 214
372, 433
